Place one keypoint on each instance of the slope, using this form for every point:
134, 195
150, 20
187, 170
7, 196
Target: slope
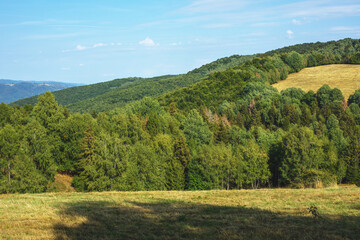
75, 94
118, 92
254, 76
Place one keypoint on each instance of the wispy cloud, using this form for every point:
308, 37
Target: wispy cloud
80, 47
108, 75
320, 9
148, 42
235, 13
52, 36
208, 6
290, 34
99, 45
56, 23
296, 22
348, 30
265, 24
175, 44
217, 25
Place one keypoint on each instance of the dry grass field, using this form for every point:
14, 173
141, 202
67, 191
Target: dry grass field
346, 77
238, 214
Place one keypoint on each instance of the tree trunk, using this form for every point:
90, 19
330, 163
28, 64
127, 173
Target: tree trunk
228, 182
9, 172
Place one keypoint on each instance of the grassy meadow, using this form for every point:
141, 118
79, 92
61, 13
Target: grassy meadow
237, 214
346, 77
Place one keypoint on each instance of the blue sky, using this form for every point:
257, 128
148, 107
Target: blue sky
95, 41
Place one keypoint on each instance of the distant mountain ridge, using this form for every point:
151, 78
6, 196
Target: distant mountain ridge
12, 90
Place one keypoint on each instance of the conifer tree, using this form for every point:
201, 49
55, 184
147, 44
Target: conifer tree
88, 158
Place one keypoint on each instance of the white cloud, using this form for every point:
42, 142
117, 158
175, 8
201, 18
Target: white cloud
148, 42
80, 47
99, 45
81, 64
290, 34
175, 43
296, 22
65, 68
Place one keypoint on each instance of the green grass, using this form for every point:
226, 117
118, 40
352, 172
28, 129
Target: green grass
240, 214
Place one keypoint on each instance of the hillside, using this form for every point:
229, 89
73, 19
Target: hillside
244, 214
231, 130
75, 94
12, 90
269, 68
341, 76
108, 95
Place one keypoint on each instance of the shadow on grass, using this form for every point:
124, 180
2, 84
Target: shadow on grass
182, 220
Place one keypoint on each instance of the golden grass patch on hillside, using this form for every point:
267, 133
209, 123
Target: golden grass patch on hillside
235, 214
346, 77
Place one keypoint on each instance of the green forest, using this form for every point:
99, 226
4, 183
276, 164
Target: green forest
229, 129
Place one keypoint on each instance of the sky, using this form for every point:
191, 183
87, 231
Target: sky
88, 41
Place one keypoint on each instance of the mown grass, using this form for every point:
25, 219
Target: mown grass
346, 77
238, 214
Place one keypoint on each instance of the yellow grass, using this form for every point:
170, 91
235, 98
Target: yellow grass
237, 214
343, 76
62, 183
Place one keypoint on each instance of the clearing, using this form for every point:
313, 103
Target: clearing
236, 214
346, 77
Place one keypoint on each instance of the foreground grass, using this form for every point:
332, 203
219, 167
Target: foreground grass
346, 77
240, 214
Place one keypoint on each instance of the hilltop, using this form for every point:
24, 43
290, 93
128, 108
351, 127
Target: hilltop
116, 93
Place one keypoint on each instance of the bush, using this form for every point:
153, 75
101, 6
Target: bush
314, 178
295, 61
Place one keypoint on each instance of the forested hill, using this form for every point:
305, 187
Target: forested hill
116, 93
232, 130
347, 45
252, 79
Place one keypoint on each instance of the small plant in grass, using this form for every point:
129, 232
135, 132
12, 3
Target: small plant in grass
314, 211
